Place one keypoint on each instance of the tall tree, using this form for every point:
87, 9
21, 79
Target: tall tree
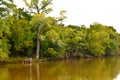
38, 8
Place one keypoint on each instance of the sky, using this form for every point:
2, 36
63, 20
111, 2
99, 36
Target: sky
86, 12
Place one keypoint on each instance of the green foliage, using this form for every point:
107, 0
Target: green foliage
95, 44
21, 31
4, 52
38, 6
101, 40
21, 35
75, 39
7, 9
4, 46
52, 44
51, 52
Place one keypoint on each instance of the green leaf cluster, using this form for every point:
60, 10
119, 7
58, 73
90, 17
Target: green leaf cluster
21, 31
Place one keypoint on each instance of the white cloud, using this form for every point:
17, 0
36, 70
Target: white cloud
19, 3
88, 11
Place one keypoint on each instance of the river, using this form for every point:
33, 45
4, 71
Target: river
77, 69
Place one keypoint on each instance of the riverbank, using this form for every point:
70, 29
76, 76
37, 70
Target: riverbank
10, 60
26, 60
17, 60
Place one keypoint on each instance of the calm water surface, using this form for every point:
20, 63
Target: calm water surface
82, 69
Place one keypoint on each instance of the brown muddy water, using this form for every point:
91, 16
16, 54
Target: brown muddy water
78, 69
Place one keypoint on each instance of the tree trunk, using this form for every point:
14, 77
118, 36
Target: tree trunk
38, 43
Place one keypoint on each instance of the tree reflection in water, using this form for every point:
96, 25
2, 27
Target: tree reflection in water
30, 71
83, 69
38, 71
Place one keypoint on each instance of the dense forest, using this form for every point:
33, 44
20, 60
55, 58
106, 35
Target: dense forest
31, 32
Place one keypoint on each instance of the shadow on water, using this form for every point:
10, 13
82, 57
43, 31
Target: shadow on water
82, 69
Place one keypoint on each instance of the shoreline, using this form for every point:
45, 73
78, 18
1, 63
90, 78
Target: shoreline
25, 60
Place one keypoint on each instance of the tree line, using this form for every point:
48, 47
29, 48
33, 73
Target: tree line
33, 33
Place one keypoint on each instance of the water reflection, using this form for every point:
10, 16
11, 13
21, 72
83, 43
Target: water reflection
38, 71
93, 69
30, 71
98, 69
